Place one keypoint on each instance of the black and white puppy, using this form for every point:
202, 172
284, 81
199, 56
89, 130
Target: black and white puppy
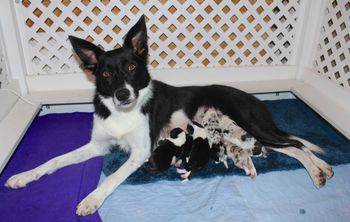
200, 151
164, 155
183, 153
131, 110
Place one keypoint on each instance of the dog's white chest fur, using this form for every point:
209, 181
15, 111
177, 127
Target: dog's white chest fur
120, 127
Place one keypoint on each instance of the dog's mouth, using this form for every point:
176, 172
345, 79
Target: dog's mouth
125, 104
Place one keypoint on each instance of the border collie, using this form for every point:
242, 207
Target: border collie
132, 111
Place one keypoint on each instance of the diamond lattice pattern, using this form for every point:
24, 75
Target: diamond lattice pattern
333, 54
181, 33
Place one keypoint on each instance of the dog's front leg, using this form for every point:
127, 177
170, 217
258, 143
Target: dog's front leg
88, 151
95, 199
140, 150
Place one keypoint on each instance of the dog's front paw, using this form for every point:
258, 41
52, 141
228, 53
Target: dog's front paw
89, 205
21, 180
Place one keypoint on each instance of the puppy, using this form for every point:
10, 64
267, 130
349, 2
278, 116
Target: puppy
234, 134
163, 156
211, 122
221, 133
184, 151
200, 151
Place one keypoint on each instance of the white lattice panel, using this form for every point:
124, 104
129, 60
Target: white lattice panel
182, 33
333, 54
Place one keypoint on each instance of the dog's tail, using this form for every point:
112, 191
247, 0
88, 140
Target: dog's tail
286, 141
277, 139
308, 144
280, 139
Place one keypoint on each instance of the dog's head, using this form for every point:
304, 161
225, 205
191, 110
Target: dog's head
120, 73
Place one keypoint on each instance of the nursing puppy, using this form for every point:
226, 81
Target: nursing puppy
234, 134
131, 110
184, 152
200, 151
219, 129
163, 156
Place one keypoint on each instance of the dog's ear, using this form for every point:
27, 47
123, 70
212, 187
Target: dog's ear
87, 52
136, 38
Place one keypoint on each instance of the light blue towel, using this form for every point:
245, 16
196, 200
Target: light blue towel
275, 196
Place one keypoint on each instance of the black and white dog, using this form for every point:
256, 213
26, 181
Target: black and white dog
132, 110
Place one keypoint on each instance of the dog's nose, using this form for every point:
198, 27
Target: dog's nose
122, 94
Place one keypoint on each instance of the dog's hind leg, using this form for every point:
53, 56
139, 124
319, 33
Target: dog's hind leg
325, 167
317, 175
90, 150
309, 148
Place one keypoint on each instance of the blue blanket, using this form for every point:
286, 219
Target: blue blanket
287, 196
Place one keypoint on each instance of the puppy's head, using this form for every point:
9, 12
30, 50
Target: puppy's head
177, 137
120, 73
196, 130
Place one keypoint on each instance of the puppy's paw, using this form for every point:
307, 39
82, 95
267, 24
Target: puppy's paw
184, 174
89, 205
178, 163
21, 180
180, 171
250, 171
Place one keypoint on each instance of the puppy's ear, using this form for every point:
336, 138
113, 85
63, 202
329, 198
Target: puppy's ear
190, 129
197, 124
174, 133
87, 52
136, 38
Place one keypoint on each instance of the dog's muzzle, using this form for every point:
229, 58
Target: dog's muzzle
123, 95
124, 98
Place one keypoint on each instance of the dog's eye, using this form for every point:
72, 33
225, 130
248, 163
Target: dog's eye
131, 67
106, 74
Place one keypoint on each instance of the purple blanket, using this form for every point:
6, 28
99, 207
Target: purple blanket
53, 197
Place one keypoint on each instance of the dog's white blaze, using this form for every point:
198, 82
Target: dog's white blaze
180, 140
